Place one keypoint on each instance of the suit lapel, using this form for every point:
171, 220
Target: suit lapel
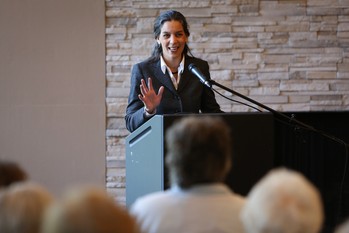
185, 76
163, 78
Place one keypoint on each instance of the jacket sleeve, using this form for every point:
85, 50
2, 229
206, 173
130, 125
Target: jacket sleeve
135, 116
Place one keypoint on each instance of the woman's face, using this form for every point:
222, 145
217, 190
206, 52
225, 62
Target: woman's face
172, 39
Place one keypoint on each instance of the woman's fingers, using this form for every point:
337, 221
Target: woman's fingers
161, 91
150, 84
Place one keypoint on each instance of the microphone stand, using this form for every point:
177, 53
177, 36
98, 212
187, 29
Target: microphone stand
291, 119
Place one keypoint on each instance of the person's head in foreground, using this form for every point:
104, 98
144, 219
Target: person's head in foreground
22, 206
198, 151
88, 210
284, 201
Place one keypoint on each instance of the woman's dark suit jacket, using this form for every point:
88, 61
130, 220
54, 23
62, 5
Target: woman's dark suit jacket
191, 96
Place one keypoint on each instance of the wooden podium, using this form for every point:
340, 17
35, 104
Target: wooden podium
252, 152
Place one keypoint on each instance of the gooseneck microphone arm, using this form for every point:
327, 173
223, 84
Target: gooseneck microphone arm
209, 83
196, 71
290, 119
212, 82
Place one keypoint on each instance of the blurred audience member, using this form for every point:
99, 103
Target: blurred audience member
88, 210
198, 159
10, 172
22, 206
284, 201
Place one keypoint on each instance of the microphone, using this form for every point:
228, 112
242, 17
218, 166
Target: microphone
196, 71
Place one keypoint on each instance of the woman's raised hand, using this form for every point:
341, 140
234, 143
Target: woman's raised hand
149, 97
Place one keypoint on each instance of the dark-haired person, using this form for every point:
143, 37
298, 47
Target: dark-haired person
163, 84
11, 172
198, 159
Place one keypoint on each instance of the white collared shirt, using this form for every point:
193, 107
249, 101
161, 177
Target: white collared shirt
180, 71
202, 208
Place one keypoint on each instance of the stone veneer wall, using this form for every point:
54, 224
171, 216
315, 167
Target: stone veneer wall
291, 55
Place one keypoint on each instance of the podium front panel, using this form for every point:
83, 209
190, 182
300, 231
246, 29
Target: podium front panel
144, 160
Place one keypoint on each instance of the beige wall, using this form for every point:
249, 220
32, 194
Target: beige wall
52, 90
